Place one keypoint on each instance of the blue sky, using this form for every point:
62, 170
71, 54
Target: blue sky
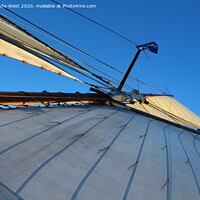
173, 25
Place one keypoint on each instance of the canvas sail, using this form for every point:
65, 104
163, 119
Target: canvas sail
22, 37
13, 34
12, 51
95, 152
170, 109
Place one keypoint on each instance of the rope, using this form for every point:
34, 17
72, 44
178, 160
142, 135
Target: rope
64, 64
177, 110
97, 23
174, 117
132, 79
99, 69
159, 77
66, 43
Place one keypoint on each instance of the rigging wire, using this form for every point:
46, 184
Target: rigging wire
66, 43
80, 67
153, 66
171, 115
99, 69
91, 65
63, 64
169, 106
97, 23
145, 108
132, 79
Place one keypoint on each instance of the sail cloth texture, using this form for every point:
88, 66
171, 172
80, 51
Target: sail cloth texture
21, 36
13, 34
95, 153
12, 51
170, 109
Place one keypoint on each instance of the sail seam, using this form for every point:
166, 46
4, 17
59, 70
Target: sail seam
19, 120
40, 133
188, 160
23, 185
194, 143
169, 164
105, 151
137, 162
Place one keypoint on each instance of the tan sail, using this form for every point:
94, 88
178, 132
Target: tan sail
20, 37
12, 51
170, 109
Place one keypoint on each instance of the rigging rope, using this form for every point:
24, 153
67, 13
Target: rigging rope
171, 115
170, 107
66, 43
79, 67
63, 64
132, 79
161, 80
92, 66
97, 23
99, 69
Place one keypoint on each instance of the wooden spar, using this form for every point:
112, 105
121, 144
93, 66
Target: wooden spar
16, 98
129, 70
151, 46
28, 98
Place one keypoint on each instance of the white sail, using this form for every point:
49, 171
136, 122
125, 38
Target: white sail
170, 109
95, 153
